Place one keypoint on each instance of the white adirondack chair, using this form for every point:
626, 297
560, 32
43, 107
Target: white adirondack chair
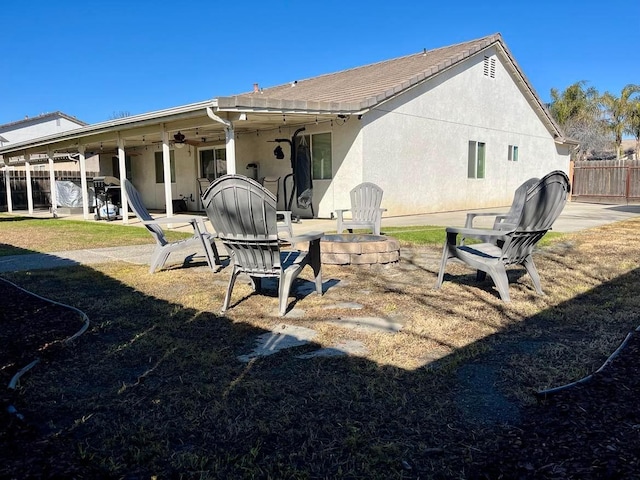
164, 247
365, 209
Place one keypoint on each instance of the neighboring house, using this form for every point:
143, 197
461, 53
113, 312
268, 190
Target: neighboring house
42, 125
453, 128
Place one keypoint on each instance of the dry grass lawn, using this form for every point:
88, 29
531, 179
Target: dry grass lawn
154, 387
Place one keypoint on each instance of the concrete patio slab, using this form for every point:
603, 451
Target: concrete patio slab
285, 336
368, 324
347, 347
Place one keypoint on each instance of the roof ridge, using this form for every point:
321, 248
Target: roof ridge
491, 38
41, 116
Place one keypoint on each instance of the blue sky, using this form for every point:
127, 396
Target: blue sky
94, 59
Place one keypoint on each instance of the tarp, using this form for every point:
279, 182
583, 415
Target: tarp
69, 194
304, 184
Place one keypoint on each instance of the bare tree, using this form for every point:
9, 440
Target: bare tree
592, 134
577, 111
121, 114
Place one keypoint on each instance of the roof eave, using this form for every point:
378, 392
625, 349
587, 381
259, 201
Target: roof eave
184, 111
249, 103
554, 128
566, 141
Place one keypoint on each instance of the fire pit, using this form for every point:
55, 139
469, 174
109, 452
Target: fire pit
358, 249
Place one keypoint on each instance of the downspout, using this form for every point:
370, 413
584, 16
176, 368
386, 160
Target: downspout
229, 138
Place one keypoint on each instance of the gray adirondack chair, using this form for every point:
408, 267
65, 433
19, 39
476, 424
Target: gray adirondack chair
506, 221
365, 209
164, 247
243, 213
543, 204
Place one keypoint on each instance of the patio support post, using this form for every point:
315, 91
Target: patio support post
123, 174
231, 150
27, 169
52, 186
7, 182
83, 181
230, 138
166, 165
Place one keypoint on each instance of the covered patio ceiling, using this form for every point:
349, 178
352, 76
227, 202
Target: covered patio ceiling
145, 131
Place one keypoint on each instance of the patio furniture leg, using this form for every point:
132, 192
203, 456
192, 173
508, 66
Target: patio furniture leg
227, 297
498, 274
533, 273
316, 264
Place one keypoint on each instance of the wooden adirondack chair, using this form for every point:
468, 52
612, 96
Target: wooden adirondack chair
243, 213
543, 204
163, 247
365, 209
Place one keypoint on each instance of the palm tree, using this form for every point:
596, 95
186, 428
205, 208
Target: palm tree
633, 126
618, 110
577, 111
574, 103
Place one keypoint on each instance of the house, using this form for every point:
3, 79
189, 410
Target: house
452, 128
38, 126
30, 172
41, 125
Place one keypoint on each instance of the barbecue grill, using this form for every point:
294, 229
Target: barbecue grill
107, 196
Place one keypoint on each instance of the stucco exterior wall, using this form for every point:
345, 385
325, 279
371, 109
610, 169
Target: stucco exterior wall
327, 194
143, 175
348, 163
416, 146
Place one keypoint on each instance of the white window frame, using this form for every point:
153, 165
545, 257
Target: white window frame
512, 155
159, 168
323, 174
215, 174
477, 160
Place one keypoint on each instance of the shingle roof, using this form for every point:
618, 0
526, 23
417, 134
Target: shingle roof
40, 118
361, 87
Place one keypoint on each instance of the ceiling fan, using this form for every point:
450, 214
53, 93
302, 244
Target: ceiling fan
179, 140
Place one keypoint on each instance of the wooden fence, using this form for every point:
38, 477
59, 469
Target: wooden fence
606, 181
40, 187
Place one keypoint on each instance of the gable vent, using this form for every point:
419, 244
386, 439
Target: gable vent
490, 67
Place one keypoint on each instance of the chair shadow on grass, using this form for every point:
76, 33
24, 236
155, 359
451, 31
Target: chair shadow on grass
514, 275
301, 289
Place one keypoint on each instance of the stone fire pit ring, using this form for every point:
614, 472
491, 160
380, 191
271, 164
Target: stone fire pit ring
359, 249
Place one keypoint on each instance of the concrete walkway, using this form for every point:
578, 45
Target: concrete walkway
575, 217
